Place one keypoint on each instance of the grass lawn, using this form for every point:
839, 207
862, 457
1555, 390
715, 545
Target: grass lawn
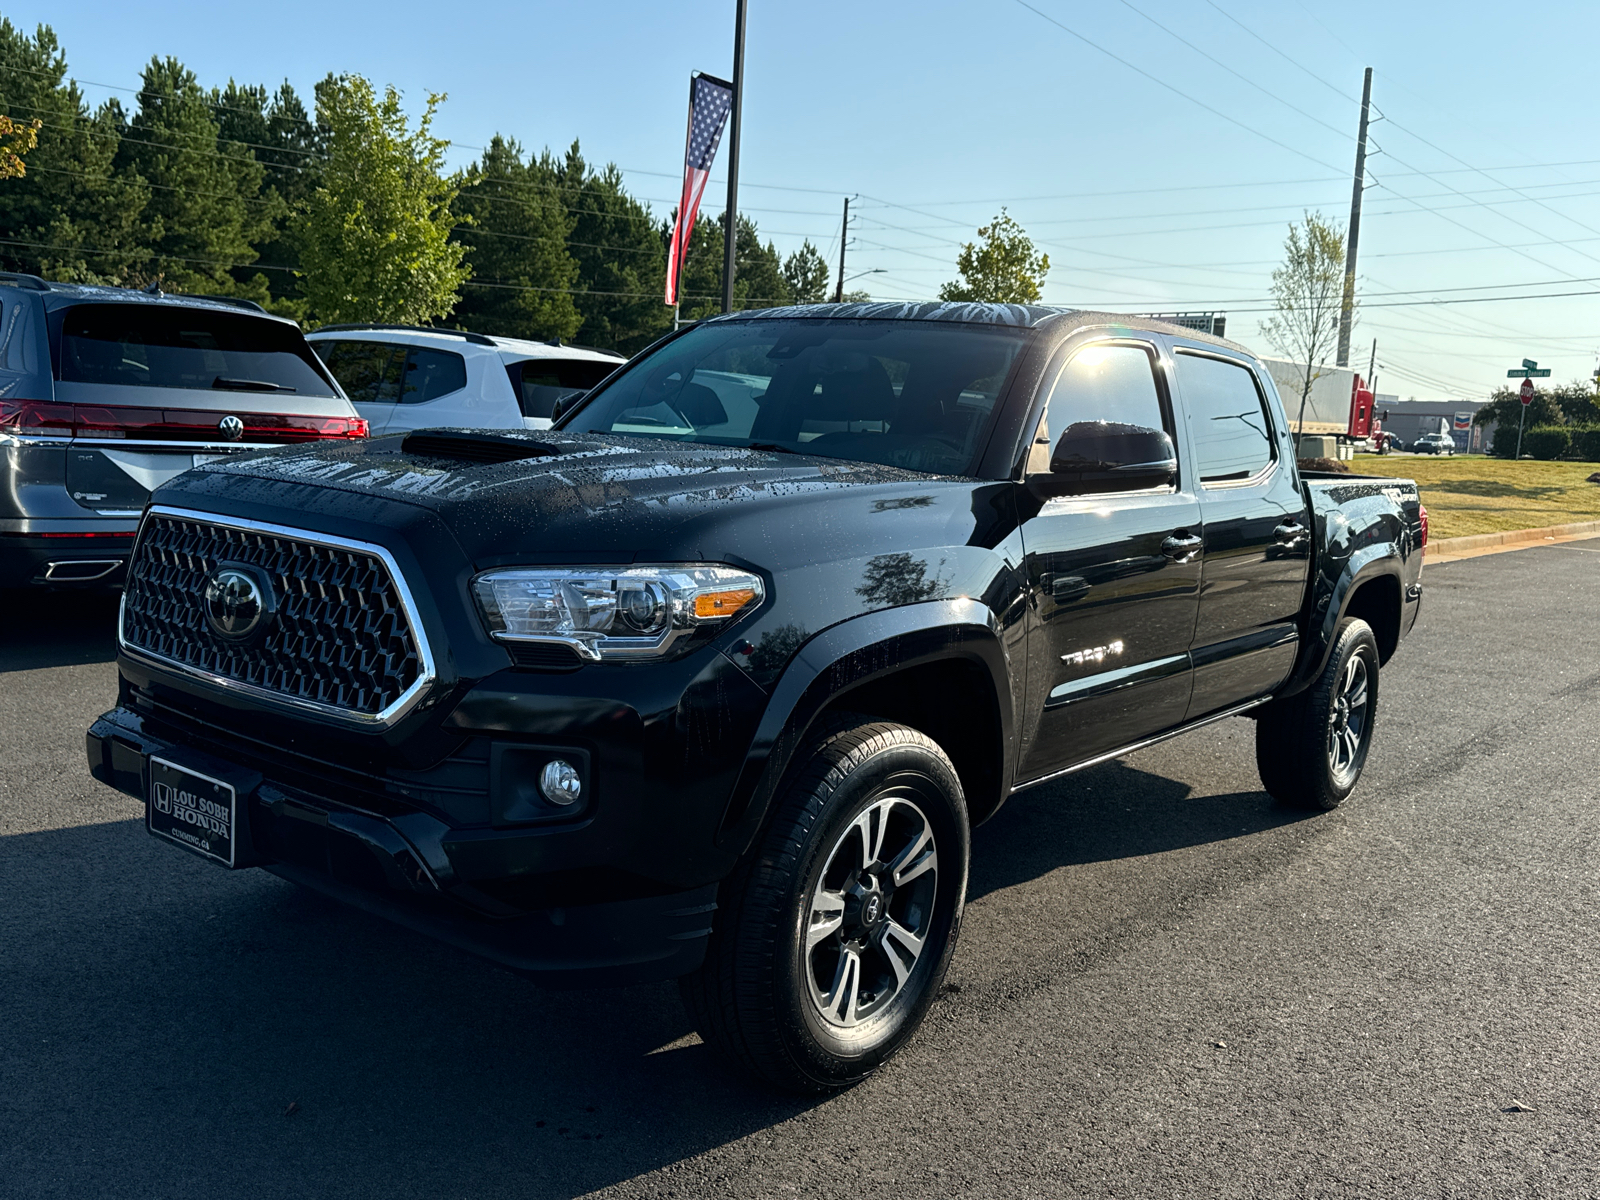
1472, 494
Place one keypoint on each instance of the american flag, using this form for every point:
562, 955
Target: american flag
710, 100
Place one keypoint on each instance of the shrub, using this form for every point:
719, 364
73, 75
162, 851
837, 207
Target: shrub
1504, 444
1332, 465
1547, 442
1586, 443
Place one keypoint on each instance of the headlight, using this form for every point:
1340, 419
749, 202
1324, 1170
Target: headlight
612, 613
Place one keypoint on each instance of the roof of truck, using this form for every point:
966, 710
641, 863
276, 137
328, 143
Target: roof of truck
1017, 316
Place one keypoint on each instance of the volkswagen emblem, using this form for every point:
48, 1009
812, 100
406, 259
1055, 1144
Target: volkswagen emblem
232, 427
239, 603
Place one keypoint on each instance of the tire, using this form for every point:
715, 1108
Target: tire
821, 965
1311, 747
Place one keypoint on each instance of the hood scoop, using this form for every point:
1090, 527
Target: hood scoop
484, 447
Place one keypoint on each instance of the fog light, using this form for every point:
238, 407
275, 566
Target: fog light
560, 782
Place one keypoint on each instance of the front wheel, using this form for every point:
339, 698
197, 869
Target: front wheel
1311, 747
835, 933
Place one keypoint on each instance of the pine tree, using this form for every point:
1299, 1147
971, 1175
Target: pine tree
515, 227
73, 216
621, 255
758, 278
206, 209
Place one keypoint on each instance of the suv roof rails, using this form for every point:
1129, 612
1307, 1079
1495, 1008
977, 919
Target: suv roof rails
477, 339
20, 279
235, 301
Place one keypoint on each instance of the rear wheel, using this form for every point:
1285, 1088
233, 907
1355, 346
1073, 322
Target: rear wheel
1311, 747
836, 931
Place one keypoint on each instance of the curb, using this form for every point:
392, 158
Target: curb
1511, 539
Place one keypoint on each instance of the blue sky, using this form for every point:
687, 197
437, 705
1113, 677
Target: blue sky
1158, 191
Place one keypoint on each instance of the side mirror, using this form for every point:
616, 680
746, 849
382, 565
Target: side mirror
1104, 456
565, 405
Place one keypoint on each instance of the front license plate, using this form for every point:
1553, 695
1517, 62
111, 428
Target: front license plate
192, 809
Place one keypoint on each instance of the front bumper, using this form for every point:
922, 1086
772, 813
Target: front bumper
394, 865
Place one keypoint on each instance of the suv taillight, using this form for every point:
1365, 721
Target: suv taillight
1422, 512
81, 420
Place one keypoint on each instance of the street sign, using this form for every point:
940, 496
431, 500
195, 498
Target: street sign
1529, 373
1530, 364
1527, 391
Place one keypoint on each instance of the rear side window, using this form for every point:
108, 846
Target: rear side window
541, 382
386, 373
1232, 436
430, 374
369, 372
139, 345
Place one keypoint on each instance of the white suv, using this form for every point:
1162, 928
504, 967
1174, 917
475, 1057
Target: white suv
403, 377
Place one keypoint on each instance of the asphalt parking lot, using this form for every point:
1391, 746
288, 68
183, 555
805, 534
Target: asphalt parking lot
1167, 985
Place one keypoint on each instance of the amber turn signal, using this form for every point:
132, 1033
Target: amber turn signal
722, 604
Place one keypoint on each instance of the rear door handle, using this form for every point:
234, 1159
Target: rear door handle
1181, 547
1289, 533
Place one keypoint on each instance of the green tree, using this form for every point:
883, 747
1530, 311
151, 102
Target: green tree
806, 274
74, 216
375, 235
1564, 404
16, 139
1004, 269
758, 280
279, 133
206, 209
515, 226
620, 251
1308, 296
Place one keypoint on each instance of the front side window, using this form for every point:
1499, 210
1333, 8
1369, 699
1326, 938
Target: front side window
1114, 383
914, 394
168, 346
1228, 414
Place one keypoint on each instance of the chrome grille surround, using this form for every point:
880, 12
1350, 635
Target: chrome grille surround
348, 644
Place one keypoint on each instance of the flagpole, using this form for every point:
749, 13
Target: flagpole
731, 233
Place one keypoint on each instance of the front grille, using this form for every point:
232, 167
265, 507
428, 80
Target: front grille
340, 638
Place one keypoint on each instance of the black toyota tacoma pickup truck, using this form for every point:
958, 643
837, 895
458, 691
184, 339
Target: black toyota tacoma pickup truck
713, 679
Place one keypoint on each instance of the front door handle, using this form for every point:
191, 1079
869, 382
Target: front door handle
1182, 546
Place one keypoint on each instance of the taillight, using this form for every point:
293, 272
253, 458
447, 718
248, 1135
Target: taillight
36, 416
1422, 512
82, 420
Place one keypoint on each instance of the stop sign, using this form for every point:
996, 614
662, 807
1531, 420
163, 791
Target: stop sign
1527, 391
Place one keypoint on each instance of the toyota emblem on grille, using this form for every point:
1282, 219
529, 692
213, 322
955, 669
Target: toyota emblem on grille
232, 427
238, 602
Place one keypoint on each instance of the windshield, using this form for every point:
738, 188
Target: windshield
169, 346
912, 394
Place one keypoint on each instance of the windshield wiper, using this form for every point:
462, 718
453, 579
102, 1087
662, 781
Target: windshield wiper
249, 385
772, 447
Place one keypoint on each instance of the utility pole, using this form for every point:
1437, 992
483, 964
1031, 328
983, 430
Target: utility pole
1348, 311
844, 234
731, 234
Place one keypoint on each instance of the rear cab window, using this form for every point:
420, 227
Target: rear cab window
1228, 417
541, 383
171, 346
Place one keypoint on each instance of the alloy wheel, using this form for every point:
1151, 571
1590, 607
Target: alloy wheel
871, 910
1349, 721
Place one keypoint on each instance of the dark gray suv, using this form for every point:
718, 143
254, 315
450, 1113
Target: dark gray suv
106, 393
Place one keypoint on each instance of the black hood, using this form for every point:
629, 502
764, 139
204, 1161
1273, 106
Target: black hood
580, 497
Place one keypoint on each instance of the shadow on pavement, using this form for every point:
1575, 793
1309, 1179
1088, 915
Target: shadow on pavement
1104, 813
56, 628
162, 1014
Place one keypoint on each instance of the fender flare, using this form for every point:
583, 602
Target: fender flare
1362, 567
845, 656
